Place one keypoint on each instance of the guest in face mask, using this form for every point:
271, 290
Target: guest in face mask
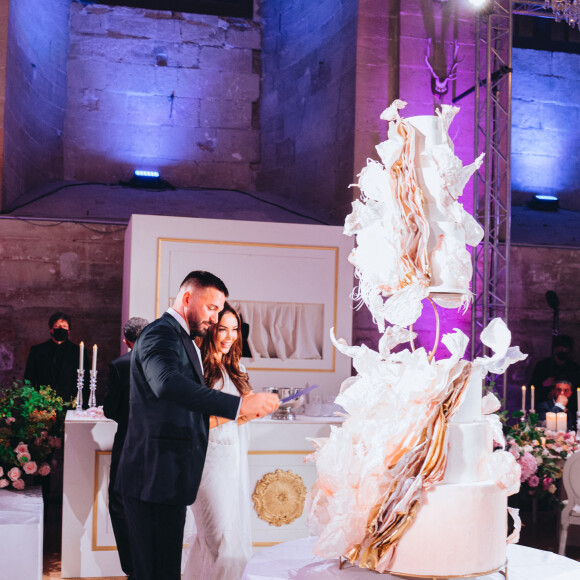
559, 364
55, 361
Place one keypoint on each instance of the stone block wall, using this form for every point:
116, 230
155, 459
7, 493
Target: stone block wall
307, 109
164, 91
533, 271
35, 95
47, 267
545, 118
3, 50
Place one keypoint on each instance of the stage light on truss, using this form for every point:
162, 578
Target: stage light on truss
545, 202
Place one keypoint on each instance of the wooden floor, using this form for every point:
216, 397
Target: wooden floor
542, 535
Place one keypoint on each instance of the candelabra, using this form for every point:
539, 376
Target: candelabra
568, 10
80, 384
93, 389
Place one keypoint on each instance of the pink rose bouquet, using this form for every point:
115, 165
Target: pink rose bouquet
541, 456
31, 426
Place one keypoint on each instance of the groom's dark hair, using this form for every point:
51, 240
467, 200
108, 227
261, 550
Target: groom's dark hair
202, 279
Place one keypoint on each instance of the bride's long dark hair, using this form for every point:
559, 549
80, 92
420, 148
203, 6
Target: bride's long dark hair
230, 362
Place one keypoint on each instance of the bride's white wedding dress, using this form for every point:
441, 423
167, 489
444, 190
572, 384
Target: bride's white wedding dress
223, 540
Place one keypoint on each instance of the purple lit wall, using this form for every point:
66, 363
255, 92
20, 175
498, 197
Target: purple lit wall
35, 95
307, 113
391, 48
173, 92
545, 117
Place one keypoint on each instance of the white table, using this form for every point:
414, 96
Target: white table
295, 561
88, 543
283, 445
21, 524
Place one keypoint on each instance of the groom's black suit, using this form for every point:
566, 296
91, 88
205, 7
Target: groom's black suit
164, 452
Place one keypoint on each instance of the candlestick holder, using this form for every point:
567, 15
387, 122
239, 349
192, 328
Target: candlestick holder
93, 389
80, 384
523, 417
578, 426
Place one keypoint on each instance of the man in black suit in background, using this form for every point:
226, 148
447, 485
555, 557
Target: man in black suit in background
164, 452
116, 407
55, 361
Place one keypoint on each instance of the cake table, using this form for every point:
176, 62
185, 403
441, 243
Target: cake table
295, 561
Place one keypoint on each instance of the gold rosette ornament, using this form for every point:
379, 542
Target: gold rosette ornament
279, 497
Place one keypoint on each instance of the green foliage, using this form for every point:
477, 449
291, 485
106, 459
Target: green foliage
32, 417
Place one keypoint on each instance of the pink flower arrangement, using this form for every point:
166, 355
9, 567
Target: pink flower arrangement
21, 448
31, 427
14, 473
548, 481
528, 464
541, 455
30, 467
44, 469
18, 484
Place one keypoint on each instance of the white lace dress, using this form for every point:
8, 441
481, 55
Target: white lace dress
222, 544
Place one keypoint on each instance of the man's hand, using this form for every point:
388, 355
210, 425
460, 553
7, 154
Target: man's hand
256, 405
563, 400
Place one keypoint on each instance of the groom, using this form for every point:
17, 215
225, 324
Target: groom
164, 452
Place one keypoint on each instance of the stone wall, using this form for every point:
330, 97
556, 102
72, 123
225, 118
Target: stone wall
545, 117
35, 95
533, 271
49, 266
165, 91
3, 50
308, 92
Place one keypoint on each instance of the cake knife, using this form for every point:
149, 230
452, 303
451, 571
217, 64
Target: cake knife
298, 394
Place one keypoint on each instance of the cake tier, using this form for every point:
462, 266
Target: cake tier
460, 529
470, 445
470, 409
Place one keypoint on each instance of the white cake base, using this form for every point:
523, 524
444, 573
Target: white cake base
461, 530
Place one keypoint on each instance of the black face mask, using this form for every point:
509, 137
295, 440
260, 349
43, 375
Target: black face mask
60, 334
563, 356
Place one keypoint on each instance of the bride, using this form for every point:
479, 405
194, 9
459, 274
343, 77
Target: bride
223, 543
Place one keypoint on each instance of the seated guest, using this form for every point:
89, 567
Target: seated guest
559, 365
560, 400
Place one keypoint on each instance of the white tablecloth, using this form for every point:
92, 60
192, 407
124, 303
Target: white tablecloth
21, 524
295, 561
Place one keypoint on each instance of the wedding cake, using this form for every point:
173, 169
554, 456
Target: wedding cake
410, 482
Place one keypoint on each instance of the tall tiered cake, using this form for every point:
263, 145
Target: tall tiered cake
410, 482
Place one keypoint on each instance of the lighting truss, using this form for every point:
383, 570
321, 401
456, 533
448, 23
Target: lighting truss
492, 189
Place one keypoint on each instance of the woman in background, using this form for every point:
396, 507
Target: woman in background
223, 542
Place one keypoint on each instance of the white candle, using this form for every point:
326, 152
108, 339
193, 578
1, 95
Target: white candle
562, 422
81, 354
94, 357
532, 394
524, 399
578, 399
551, 421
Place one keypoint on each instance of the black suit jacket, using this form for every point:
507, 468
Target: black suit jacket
116, 405
167, 433
39, 367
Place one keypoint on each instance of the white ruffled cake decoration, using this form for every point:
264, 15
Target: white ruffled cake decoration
410, 482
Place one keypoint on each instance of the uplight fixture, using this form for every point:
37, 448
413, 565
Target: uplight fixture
545, 202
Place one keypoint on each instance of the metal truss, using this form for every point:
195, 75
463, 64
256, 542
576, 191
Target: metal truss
492, 184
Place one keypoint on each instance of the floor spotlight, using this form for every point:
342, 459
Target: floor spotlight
146, 179
545, 202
